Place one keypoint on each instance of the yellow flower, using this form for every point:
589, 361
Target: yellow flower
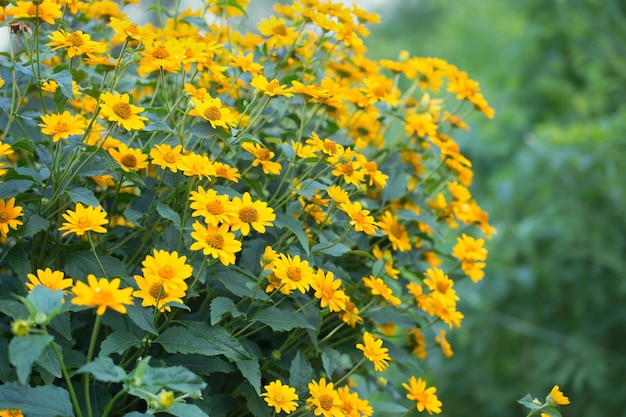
214, 208
255, 214
352, 405
425, 398
443, 343
378, 287
194, 165
215, 241
154, 292
168, 55
227, 172
11, 412
126, 30
276, 29
84, 219
168, 267
9, 213
338, 194
398, 236
55, 280
281, 397
556, 397
102, 294
246, 63
374, 351
441, 286
129, 159
263, 157
359, 217
327, 290
294, 273
47, 11
212, 110
77, 43
165, 156
420, 124
324, 399
117, 108
61, 126
270, 88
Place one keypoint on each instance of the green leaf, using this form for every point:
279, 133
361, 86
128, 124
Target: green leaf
396, 185
308, 188
64, 79
24, 351
332, 249
384, 407
300, 374
202, 339
141, 316
221, 306
295, 226
34, 225
11, 188
378, 269
41, 401
159, 127
103, 369
552, 412
255, 403
202, 365
46, 300
118, 342
251, 370
137, 414
13, 309
528, 401
48, 360
281, 320
176, 378
79, 264
169, 214
239, 284
186, 410
330, 360
83, 195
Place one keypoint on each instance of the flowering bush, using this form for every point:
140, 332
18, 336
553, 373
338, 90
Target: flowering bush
198, 218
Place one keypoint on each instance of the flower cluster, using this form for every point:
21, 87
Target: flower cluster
262, 208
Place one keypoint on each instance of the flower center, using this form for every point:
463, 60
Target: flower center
326, 402
157, 291
160, 52
248, 214
279, 399
212, 113
122, 110
357, 217
442, 286
347, 169
61, 127
129, 160
166, 272
280, 30
263, 154
169, 157
215, 207
294, 273
4, 216
330, 147
75, 39
273, 85
215, 241
131, 30
397, 230
83, 221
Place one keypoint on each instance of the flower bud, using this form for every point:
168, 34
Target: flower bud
166, 399
20, 328
41, 318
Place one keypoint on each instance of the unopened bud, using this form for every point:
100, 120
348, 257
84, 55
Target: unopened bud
166, 399
20, 328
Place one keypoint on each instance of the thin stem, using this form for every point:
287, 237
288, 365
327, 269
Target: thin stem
68, 381
92, 346
93, 249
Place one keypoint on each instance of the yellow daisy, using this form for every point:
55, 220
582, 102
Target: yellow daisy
117, 108
103, 294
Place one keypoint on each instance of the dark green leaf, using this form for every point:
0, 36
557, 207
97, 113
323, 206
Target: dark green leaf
175, 378
79, 264
24, 351
552, 412
14, 309
256, 405
118, 342
251, 370
281, 320
201, 339
159, 127
34, 225
103, 369
239, 284
42, 401
295, 226
186, 410
64, 79
141, 316
300, 374
11, 188
332, 249
83, 195
396, 185
221, 306
48, 360
169, 214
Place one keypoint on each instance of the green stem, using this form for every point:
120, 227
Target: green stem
68, 381
93, 249
92, 346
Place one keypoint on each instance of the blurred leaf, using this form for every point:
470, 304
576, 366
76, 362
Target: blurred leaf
42, 401
169, 214
281, 320
103, 369
83, 195
118, 342
186, 410
24, 351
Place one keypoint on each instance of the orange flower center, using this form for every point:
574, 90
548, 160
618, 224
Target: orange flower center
294, 273
396, 230
212, 113
32, 11
379, 91
326, 402
160, 52
157, 291
248, 214
83, 221
215, 207
280, 30
131, 30
75, 39
166, 272
330, 147
122, 110
263, 154
4, 216
61, 127
169, 157
442, 286
215, 241
279, 399
347, 169
273, 85
357, 217
129, 160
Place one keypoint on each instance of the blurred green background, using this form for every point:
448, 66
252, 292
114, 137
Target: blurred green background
550, 170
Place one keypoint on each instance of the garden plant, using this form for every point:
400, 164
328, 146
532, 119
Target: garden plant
205, 216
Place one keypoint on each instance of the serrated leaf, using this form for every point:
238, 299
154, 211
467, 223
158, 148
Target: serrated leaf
528, 401
41, 401
46, 300
221, 306
13, 309
239, 284
83, 195
11, 188
295, 226
34, 225
175, 378
48, 360
201, 339
281, 320
251, 370
103, 369
169, 214
159, 127
330, 360
118, 342
24, 351
256, 404
201, 365
186, 410
79, 264
300, 374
